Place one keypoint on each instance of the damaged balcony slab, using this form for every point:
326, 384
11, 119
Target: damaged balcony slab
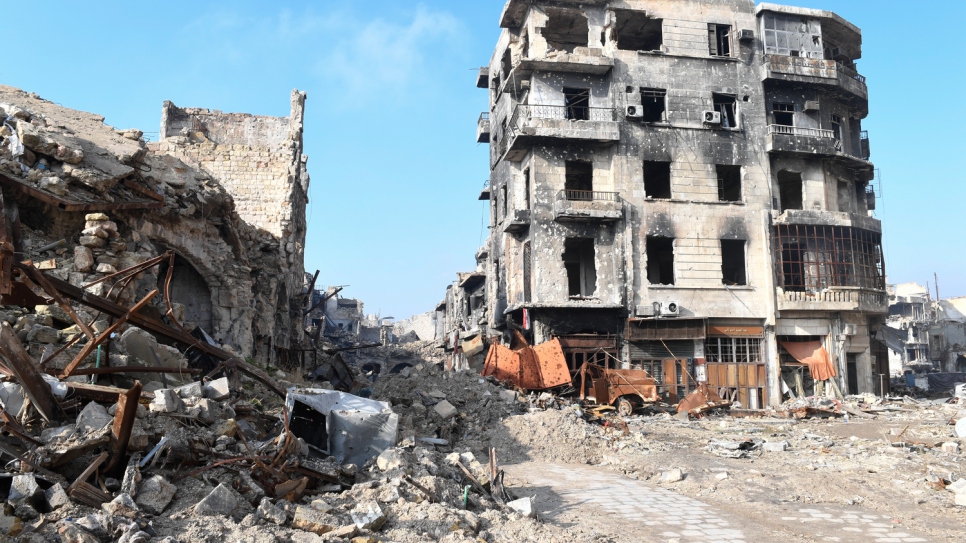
828, 73
532, 124
583, 205
828, 218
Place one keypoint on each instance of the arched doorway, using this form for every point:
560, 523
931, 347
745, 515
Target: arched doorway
189, 288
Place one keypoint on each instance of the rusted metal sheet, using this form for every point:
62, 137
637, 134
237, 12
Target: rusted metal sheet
530, 368
610, 385
27, 372
701, 400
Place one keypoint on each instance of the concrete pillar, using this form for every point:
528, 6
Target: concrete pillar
863, 365
773, 370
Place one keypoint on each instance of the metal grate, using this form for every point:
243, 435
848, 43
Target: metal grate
526, 272
813, 258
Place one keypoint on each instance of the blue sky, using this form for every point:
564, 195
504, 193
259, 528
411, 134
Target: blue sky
392, 108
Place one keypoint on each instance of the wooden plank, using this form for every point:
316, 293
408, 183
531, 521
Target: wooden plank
99, 393
27, 372
127, 408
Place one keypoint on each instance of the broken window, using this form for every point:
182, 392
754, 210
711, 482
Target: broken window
790, 190
727, 106
579, 180
527, 263
837, 123
657, 180
506, 63
818, 257
566, 30
733, 262
729, 183
578, 258
719, 40
638, 32
526, 189
783, 114
660, 260
654, 105
578, 104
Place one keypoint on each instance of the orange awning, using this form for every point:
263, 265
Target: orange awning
813, 355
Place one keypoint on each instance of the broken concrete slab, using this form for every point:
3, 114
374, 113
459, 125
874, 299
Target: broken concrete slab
220, 501
56, 497
22, 487
390, 459
191, 390
94, 417
310, 520
166, 400
672, 476
217, 390
775, 446
368, 516
155, 494
121, 506
270, 512
524, 506
445, 410
72, 533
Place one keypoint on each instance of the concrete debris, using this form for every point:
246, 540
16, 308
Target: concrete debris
390, 459
775, 446
270, 512
155, 494
93, 418
368, 516
524, 506
23, 487
56, 497
445, 410
672, 476
220, 501
166, 401
312, 520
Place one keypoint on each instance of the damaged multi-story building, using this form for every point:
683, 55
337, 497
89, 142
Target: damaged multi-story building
225, 193
684, 185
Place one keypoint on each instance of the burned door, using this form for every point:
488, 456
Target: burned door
736, 364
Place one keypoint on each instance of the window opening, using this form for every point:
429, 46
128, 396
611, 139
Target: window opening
727, 106
837, 122
733, 262
507, 63
719, 40
638, 32
734, 350
566, 30
578, 258
578, 104
527, 263
657, 180
843, 197
729, 183
851, 364
503, 197
660, 260
654, 105
790, 190
526, 189
783, 114
579, 180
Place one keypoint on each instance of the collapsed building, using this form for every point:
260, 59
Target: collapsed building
906, 331
223, 193
684, 186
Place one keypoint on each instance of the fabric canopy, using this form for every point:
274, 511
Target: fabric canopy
813, 355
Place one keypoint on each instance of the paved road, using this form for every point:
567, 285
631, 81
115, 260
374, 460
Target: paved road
570, 494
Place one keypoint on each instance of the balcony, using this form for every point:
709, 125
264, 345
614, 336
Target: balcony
531, 124
815, 141
518, 222
483, 78
828, 73
834, 299
588, 205
483, 128
808, 217
584, 60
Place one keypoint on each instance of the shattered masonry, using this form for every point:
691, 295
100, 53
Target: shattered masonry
684, 186
225, 192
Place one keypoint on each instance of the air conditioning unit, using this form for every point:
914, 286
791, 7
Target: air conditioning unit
670, 309
746, 35
836, 52
646, 310
633, 112
811, 105
850, 329
712, 117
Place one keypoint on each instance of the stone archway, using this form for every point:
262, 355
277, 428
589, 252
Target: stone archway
189, 288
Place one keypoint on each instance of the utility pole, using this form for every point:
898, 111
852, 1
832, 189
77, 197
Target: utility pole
936, 277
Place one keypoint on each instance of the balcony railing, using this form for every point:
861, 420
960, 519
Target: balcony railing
844, 298
570, 113
485, 116
816, 64
849, 71
590, 196
800, 131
